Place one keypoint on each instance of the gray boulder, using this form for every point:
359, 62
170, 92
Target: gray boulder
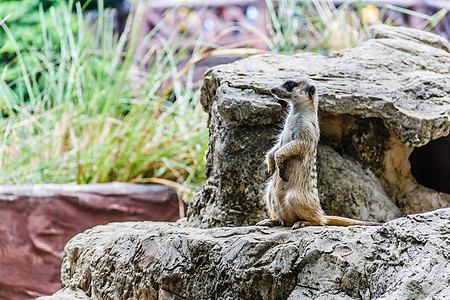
407, 258
378, 102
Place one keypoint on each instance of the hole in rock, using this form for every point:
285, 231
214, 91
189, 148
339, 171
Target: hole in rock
430, 164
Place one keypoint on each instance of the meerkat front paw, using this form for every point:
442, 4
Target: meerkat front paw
270, 162
282, 172
280, 164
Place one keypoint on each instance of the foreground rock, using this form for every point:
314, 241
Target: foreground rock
407, 258
378, 103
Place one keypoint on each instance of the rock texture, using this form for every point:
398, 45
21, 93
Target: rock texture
378, 102
407, 258
36, 221
348, 188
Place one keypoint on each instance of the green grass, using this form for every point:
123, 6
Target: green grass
27, 30
92, 114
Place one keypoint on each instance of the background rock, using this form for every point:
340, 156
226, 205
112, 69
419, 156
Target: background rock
407, 258
378, 102
346, 187
36, 221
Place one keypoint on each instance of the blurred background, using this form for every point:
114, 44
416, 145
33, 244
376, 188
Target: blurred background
96, 92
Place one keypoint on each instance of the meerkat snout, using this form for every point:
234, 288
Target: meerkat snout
300, 92
284, 91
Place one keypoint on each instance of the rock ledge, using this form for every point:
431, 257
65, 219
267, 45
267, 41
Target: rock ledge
407, 258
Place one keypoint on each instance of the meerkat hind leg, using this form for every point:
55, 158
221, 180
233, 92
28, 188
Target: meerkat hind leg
303, 223
268, 222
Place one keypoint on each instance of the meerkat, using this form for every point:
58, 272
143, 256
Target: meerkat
291, 193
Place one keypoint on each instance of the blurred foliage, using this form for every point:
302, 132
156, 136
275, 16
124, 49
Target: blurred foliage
93, 4
321, 26
91, 110
25, 19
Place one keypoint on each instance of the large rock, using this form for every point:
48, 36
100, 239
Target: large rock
378, 102
407, 258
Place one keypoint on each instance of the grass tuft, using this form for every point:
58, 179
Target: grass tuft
93, 112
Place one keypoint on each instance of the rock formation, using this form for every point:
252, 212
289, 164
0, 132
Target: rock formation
407, 258
378, 102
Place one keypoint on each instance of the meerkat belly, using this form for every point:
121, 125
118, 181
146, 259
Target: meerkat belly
301, 200
302, 171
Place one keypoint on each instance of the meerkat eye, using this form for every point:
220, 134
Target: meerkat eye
311, 90
290, 85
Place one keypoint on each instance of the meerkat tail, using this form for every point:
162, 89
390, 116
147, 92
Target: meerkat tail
341, 221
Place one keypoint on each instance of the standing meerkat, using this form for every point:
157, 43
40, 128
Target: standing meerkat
291, 193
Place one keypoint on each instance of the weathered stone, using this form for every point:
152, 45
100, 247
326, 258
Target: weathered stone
378, 102
250, 108
351, 191
407, 258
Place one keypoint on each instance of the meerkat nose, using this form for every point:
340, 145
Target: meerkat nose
272, 90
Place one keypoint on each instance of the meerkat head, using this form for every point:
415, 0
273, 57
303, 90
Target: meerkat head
301, 93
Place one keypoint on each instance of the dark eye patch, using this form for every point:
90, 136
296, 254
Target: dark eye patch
311, 90
290, 85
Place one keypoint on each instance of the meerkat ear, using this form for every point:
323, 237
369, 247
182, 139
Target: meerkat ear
311, 90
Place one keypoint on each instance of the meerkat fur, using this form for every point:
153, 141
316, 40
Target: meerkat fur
291, 193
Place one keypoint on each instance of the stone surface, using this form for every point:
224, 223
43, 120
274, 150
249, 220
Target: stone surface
377, 103
353, 191
407, 258
36, 221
